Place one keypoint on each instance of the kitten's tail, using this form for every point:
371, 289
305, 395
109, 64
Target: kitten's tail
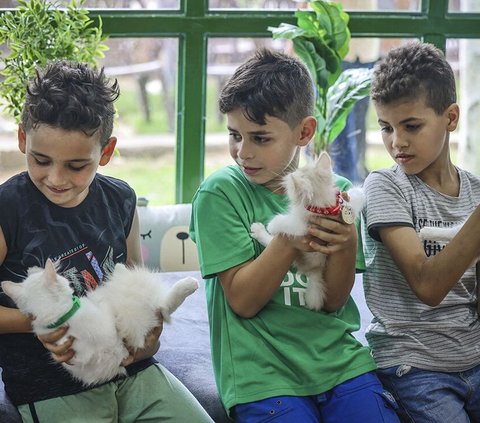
177, 294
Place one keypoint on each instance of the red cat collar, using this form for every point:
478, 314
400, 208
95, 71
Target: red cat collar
341, 207
327, 211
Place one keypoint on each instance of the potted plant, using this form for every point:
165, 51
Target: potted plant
321, 39
37, 32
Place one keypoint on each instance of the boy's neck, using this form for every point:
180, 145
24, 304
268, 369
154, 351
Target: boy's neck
445, 179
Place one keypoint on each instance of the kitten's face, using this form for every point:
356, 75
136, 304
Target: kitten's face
312, 184
41, 294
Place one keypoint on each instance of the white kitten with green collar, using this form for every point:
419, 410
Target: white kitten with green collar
119, 312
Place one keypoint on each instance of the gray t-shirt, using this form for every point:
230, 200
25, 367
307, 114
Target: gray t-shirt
404, 330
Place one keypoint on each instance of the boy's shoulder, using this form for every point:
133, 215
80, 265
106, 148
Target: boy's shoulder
394, 174
15, 185
112, 183
228, 177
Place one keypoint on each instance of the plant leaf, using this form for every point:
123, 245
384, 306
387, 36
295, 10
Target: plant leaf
351, 86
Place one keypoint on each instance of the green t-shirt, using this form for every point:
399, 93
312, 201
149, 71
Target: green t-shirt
286, 349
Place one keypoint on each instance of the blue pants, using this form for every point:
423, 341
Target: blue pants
359, 400
425, 396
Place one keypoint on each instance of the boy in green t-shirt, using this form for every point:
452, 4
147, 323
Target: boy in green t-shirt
273, 357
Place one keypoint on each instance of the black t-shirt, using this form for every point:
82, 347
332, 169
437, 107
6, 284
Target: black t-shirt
86, 241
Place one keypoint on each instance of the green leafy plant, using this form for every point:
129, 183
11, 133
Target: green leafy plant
321, 40
39, 31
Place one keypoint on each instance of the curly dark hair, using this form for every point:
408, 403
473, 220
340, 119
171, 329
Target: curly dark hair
413, 70
270, 83
71, 96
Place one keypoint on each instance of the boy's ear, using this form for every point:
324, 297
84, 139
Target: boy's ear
108, 151
22, 139
308, 127
453, 114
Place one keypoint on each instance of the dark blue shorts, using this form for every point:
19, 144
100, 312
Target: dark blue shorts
359, 400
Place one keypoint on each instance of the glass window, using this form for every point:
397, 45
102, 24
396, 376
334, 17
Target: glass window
354, 5
146, 69
224, 56
464, 56
114, 4
471, 6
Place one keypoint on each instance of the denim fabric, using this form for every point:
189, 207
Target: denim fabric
359, 400
434, 397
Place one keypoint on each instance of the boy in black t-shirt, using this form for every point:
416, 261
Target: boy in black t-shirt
63, 210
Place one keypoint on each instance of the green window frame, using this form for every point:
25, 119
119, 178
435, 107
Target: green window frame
193, 24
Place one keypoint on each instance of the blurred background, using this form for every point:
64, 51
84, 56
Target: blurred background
147, 71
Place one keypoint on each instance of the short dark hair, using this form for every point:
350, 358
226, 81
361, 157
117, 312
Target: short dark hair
413, 70
270, 83
72, 96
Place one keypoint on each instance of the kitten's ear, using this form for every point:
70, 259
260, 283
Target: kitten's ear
50, 272
324, 160
12, 289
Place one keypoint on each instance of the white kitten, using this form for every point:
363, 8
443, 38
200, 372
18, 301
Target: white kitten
119, 312
310, 189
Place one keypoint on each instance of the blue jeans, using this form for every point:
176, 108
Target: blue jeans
425, 396
358, 400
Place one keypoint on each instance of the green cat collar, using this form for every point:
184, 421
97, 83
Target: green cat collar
67, 315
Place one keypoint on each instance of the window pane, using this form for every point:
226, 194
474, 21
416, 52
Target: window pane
146, 70
464, 56
464, 6
357, 5
226, 54
113, 4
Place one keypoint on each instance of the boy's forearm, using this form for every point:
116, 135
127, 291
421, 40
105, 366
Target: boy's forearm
254, 284
449, 266
339, 278
13, 321
432, 278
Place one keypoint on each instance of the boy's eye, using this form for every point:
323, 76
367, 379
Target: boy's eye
413, 127
77, 168
235, 137
386, 129
41, 162
260, 140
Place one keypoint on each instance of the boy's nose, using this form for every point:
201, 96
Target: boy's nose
245, 150
56, 176
398, 141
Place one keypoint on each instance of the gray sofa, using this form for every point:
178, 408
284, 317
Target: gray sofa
185, 344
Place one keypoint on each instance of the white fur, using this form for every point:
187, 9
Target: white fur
313, 185
119, 312
439, 234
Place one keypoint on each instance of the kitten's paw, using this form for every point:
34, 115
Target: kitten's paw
186, 286
257, 230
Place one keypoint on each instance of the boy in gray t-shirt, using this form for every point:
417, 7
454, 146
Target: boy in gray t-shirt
425, 333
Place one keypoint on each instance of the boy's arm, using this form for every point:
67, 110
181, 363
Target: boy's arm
134, 250
11, 320
431, 278
338, 241
326, 235
245, 295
